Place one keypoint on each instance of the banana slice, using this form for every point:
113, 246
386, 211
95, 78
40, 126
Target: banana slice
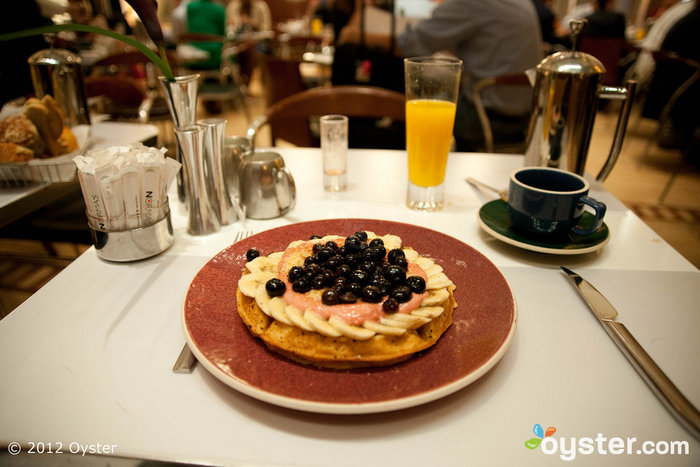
382, 329
297, 318
435, 297
430, 312
437, 281
320, 325
348, 330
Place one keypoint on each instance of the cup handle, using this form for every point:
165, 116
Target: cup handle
599, 209
285, 189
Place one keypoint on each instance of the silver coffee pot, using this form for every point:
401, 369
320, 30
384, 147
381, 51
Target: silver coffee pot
567, 88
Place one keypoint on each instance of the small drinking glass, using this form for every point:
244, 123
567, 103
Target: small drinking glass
432, 89
334, 146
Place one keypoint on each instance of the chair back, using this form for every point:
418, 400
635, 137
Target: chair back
289, 119
513, 79
609, 50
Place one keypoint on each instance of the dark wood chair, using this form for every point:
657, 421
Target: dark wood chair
610, 51
291, 118
514, 79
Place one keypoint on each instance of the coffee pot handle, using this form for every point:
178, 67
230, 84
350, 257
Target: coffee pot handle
626, 94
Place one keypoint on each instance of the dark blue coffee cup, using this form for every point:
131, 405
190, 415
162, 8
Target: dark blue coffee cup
547, 201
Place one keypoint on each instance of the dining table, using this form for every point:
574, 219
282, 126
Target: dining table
87, 360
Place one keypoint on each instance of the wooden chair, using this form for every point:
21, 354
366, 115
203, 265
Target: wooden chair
610, 51
515, 79
289, 119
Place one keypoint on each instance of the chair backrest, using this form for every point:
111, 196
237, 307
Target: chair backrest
280, 78
289, 118
514, 79
609, 50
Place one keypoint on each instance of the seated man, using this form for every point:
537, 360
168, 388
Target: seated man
491, 38
604, 21
207, 17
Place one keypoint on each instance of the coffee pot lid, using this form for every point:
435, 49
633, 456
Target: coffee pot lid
54, 56
573, 61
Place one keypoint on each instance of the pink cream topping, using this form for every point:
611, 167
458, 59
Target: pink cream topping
351, 313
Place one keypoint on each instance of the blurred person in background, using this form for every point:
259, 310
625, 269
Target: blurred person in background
605, 21
492, 39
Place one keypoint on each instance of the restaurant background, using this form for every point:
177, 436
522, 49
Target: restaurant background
654, 182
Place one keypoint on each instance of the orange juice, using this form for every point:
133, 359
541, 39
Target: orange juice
429, 126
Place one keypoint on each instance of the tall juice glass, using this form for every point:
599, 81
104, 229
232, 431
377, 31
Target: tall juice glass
432, 89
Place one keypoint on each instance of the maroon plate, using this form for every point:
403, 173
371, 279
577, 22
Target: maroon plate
484, 323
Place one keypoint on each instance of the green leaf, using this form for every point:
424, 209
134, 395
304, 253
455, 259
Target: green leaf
532, 443
161, 63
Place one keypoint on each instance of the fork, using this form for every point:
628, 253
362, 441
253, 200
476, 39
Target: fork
503, 194
186, 361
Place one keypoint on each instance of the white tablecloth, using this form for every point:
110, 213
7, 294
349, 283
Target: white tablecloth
88, 358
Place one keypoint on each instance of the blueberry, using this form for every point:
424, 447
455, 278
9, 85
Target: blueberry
353, 243
330, 297
328, 277
382, 283
416, 284
341, 282
295, 273
355, 288
334, 261
395, 274
368, 266
401, 294
251, 254
361, 235
368, 254
402, 263
390, 305
301, 285
371, 294
332, 245
360, 276
313, 259
379, 252
323, 254
352, 259
312, 270
275, 287
343, 270
376, 242
394, 254
348, 297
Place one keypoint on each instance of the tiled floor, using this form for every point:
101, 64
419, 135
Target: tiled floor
654, 182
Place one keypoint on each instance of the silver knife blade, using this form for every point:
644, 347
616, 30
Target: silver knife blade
674, 401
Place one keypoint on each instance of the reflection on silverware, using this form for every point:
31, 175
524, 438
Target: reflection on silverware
676, 403
185, 361
503, 194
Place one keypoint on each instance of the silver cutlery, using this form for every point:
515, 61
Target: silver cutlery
186, 361
503, 194
674, 401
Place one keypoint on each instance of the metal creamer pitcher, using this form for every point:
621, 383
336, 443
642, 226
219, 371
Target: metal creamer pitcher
565, 102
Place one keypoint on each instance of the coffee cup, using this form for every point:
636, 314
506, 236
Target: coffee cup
267, 187
549, 201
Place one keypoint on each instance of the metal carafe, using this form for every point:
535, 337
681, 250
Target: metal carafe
58, 72
565, 102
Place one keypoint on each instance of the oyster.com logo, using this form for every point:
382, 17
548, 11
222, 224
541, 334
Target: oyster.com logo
540, 434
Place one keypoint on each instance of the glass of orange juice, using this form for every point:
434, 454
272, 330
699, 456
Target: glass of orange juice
432, 89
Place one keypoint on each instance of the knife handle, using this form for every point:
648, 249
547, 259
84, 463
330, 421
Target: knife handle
680, 407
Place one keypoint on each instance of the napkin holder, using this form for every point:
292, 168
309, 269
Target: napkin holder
132, 244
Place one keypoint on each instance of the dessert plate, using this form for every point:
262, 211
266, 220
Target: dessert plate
483, 327
494, 219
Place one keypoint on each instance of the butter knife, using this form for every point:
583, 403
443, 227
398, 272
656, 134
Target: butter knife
676, 403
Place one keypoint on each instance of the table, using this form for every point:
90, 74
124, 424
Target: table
87, 359
18, 201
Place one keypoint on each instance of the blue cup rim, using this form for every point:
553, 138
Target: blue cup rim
584, 189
